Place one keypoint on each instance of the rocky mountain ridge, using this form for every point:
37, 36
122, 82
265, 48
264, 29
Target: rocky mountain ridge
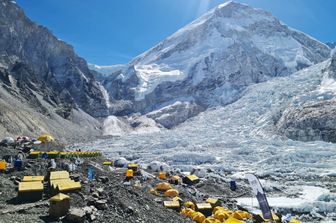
42, 75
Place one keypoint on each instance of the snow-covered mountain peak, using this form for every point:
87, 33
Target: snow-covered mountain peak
212, 60
232, 8
209, 31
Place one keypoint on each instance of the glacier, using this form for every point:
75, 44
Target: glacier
238, 135
242, 138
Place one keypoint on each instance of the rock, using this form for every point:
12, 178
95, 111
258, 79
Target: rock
95, 194
15, 178
129, 210
127, 183
16, 182
94, 209
101, 204
158, 200
92, 217
100, 191
88, 210
75, 177
90, 201
7, 141
104, 179
76, 215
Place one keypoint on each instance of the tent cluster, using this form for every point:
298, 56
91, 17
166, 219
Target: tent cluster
23, 145
32, 188
208, 211
58, 154
25, 140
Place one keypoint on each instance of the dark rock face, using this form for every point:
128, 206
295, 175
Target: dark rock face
35, 62
311, 123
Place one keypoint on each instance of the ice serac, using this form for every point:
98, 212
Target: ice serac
44, 77
212, 60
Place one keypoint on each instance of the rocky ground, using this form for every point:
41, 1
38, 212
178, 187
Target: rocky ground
108, 198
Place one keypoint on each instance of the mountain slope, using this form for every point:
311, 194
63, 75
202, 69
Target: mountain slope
210, 61
43, 76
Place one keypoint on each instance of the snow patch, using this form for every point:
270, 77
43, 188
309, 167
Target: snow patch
105, 95
112, 126
311, 198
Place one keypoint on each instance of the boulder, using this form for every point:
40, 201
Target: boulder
104, 179
101, 204
76, 215
8, 141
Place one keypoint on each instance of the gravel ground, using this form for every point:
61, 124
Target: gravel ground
124, 203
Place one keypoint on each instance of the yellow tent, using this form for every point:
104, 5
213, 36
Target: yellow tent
233, 220
46, 138
59, 205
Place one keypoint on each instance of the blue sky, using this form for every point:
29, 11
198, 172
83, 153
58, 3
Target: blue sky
108, 32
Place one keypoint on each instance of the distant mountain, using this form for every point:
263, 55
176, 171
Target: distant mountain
107, 70
332, 45
210, 62
41, 76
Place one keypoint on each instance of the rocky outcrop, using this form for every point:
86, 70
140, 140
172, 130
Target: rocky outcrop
33, 61
44, 85
315, 122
